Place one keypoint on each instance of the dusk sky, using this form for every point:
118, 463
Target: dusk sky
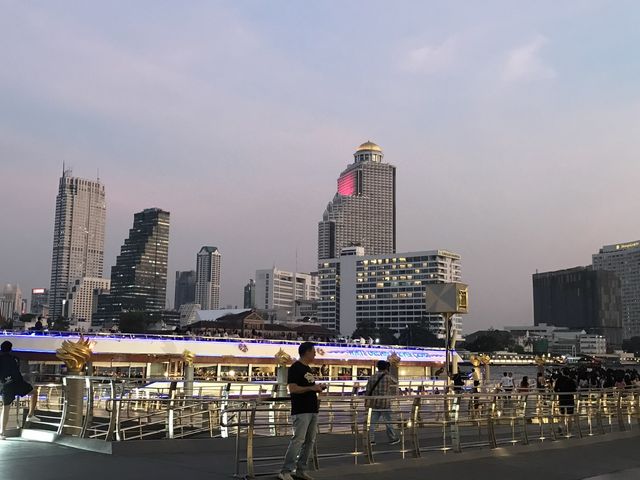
514, 127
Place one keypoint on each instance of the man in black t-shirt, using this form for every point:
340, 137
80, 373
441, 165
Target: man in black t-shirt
13, 385
304, 411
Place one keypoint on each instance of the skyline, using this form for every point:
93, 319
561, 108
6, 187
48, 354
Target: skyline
512, 129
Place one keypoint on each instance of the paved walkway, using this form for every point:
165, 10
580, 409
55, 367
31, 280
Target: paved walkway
610, 457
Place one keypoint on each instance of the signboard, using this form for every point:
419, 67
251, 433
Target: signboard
447, 298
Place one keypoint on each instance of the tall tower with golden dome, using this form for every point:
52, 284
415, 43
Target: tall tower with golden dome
363, 210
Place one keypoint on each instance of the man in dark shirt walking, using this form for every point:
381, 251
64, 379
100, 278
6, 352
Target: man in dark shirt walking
304, 412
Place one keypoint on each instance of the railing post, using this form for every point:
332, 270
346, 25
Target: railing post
619, 411
112, 412
224, 429
88, 414
171, 415
415, 419
367, 436
250, 431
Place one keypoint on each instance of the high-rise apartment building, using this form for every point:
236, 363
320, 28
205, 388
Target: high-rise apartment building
208, 262
363, 210
78, 236
580, 298
388, 290
40, 301
276, 292
82, 299
250, 294
624, 260
139, 277
185, 289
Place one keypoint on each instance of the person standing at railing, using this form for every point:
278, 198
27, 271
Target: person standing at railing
13, 385
506, 384
382, 384
565, 386
304, 412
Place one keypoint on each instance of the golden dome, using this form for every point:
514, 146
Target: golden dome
369, 145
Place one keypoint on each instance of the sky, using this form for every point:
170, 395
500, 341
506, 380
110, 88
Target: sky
514, 127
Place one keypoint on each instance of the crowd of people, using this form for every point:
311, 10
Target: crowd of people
571, 379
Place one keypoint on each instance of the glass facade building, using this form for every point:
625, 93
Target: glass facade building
139, 277
580, 298
185, 289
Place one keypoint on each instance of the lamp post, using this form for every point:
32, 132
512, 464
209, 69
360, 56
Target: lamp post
447, 299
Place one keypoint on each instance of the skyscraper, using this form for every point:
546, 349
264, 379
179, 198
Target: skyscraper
208, 278
250, 294
363, 210
139, 277
185, 291
624, 260
78, 236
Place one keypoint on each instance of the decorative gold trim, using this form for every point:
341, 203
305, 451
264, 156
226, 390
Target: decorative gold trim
75, 355
188, 357
283, 358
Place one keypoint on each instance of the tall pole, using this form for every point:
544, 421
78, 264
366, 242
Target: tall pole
447, 334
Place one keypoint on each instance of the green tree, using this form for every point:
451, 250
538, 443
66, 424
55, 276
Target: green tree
418, 334
387, 336
5, 324
365, 329
27, 317
491, 341
61, 324
133, 322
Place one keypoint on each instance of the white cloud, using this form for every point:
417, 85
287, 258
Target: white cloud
430, 59
524, 62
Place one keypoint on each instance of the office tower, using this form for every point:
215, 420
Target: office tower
208, 278
82, 299
388, 290
139, 277
250, 294
580, 298
185, 290
13, 298
277, 292
40, 301
624, 260
78, 236
363, 210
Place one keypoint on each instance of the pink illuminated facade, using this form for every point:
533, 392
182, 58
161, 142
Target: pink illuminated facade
363, 210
